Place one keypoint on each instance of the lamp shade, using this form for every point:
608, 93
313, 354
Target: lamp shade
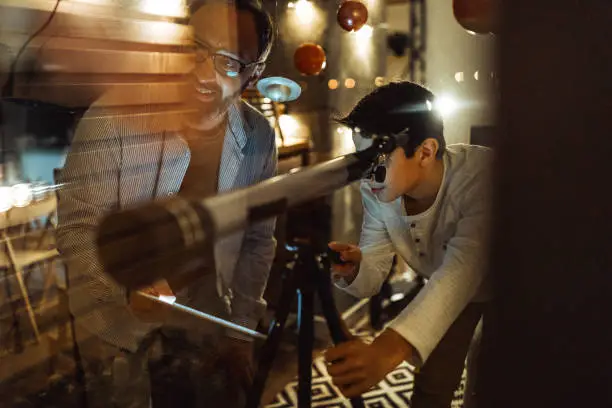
279, 89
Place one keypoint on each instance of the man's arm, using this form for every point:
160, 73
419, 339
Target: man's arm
255, 259
453, 285
376, 250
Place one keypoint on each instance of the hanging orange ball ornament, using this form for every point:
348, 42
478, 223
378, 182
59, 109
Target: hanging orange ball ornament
476, 16
309, 59
352, 15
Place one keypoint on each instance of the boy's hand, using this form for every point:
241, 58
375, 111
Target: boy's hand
355, 366
349, 253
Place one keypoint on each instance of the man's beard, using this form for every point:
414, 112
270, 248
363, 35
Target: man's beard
209, 115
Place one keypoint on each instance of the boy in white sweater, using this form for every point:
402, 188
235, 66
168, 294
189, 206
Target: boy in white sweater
428, 203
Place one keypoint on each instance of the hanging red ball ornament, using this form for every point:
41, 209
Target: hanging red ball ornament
476, 16
352, 15
309, 59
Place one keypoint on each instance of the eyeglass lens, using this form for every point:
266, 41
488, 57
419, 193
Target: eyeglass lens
380, 173
223, 64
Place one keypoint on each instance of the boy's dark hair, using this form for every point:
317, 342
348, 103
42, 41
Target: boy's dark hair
263, 21
396, 107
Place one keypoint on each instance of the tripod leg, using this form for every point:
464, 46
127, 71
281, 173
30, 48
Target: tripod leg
337, 329
271, 345
305, 345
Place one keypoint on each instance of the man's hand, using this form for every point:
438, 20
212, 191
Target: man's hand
147, 310
237, 356
355, 367
349, 253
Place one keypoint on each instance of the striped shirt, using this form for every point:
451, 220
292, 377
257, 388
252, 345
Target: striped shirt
117, 162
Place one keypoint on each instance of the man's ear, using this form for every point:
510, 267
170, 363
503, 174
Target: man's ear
428, 150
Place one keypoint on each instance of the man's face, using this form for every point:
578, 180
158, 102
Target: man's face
215, 31
402, 176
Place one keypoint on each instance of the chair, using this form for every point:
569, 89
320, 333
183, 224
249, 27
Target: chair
17, 253
287, 148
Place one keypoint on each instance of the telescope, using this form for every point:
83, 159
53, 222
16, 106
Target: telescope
141, 245
144, 244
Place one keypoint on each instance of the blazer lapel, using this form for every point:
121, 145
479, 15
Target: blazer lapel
176, 157
232, 162
233, 145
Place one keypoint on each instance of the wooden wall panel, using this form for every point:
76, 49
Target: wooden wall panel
79, 94
78, 20
101, 61
89, 49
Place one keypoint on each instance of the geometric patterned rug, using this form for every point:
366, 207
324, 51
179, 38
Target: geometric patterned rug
393, 392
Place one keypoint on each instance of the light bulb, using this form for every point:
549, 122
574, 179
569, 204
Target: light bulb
305, 11
278, 92
446, 105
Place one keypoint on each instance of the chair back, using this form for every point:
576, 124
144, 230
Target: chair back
22, 215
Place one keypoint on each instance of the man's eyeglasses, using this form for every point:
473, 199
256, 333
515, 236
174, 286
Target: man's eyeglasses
224, 64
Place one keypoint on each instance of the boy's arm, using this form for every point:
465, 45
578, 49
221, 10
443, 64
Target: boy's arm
453, 285
376, 248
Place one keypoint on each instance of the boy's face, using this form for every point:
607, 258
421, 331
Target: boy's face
402, 176
405, 175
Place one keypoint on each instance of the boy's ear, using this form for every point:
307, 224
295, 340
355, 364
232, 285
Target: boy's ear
429, 149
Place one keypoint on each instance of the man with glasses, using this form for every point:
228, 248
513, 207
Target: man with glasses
427, 203
116, 162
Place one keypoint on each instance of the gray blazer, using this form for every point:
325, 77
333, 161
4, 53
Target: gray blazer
116, 163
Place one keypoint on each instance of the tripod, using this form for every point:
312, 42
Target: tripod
304, 274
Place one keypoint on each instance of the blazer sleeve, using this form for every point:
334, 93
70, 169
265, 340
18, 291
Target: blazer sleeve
257, 254
89, 190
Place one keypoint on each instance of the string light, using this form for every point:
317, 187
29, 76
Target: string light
305, 11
